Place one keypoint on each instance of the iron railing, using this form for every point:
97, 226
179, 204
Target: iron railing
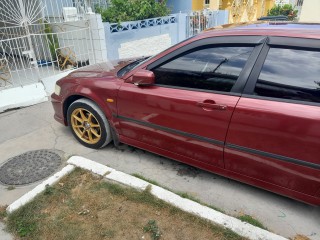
200, 20
40, 38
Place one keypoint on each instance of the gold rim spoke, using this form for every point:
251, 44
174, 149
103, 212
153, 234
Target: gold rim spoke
90, 135
95, 126
83, 133
95, 133
90, 118
77, 118
82, 115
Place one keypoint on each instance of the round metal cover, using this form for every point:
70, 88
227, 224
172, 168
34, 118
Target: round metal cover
29, 167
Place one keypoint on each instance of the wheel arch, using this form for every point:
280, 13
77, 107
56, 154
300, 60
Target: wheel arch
72, 98
66, 104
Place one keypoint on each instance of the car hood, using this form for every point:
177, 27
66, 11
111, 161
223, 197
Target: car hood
98, 70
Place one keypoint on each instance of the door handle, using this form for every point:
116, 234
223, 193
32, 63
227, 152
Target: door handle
214, 106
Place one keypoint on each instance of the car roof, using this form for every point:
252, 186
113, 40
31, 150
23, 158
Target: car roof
263, 28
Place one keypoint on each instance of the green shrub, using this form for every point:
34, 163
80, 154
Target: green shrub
132, 10
286, 10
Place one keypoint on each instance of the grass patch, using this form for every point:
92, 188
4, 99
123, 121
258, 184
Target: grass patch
153, 228
49, 190
252, 221
83, 206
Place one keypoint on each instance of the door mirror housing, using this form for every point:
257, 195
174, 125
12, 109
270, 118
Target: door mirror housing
143, 78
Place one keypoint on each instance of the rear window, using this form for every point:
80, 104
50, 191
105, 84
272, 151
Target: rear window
290, 74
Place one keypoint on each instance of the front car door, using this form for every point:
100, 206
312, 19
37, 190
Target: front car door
274, 135
186, 114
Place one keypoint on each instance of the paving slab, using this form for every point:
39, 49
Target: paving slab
34, 128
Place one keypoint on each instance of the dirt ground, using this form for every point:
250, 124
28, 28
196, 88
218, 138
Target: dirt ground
84, 206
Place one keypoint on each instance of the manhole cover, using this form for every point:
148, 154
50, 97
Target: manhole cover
29, 167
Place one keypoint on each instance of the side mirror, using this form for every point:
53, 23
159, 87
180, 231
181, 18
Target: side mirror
143, 78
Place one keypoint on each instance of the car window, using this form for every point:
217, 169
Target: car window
290, 74
213, 68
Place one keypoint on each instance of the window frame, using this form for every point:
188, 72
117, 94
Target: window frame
278, 42
256, 42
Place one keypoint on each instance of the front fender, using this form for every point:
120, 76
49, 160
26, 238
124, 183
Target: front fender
100, 100
81, 92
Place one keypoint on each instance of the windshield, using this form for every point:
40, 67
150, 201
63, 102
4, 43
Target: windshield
138, 62
123, 71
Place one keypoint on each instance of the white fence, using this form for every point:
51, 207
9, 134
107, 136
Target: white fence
150, 36
41, 38
201, 20
67, 47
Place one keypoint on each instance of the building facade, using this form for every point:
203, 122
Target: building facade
283, 2
239, 10
309, 11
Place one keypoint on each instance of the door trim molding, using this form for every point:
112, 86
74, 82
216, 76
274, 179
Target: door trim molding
274, 156
221, 143
171, 130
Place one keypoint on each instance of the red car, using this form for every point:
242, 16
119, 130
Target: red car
243, 103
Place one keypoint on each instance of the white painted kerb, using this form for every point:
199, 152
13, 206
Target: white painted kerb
38, 189
128, 180
22, 96
92, 166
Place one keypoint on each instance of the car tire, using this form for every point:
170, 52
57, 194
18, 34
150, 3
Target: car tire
88, 124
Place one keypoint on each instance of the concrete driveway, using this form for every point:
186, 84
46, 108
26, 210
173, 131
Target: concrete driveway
34, 128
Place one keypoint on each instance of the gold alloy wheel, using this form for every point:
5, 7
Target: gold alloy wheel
86, 126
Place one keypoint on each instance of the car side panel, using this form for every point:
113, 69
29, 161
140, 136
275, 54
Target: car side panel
277, 142
171, 119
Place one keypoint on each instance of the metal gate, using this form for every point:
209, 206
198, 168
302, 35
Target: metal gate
41, 38
200, 20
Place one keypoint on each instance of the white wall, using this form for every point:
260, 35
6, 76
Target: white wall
283, 2
144, 47
310, 11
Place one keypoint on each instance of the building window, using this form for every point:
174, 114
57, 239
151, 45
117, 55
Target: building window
299, 2
206, 2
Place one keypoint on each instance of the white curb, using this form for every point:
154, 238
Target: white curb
242, 228
90, 165
128, 180
38, 189
22, 96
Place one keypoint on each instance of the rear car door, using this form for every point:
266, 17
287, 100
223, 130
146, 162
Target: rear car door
188, 110
274, 135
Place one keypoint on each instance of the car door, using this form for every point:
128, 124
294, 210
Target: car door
187, 112
274, 135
